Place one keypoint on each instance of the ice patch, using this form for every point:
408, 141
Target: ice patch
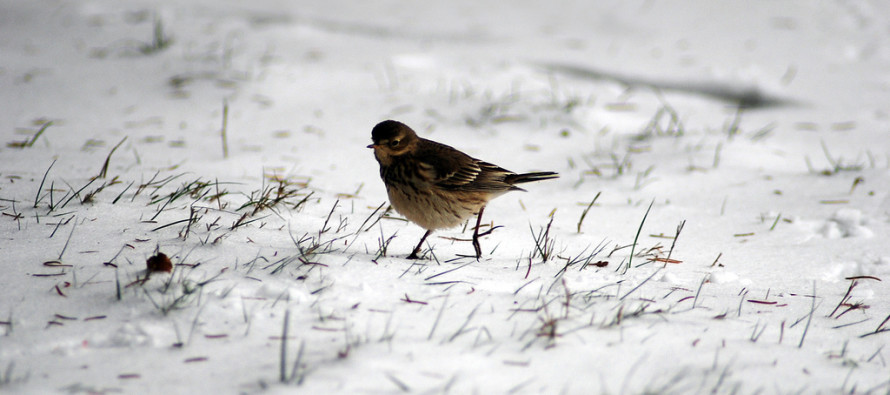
845, 223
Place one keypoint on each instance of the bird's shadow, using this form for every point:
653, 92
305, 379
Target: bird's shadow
746, 97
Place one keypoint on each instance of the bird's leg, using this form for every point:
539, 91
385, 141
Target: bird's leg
476, 234
419, 245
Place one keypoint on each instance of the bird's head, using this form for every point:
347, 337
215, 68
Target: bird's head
392, 138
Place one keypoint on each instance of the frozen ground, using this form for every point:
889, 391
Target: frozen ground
761, 128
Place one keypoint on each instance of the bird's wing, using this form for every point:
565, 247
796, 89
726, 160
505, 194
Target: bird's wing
449, 168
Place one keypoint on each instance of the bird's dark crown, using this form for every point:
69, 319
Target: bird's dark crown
390, 130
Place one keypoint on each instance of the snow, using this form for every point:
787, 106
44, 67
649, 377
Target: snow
776, 282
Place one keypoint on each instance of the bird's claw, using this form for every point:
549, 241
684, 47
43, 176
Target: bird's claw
476, 237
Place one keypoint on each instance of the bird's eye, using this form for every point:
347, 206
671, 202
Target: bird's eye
394, 143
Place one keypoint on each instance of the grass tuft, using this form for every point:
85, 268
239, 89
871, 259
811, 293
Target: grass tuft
37, 197
544, 243
665, 122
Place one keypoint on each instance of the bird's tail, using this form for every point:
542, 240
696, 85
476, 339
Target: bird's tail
530, 177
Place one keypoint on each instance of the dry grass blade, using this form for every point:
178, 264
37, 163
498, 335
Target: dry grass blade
641, 284
544, 244
637, 237
104, 171
438, 317
159, 40
223, 131
29, 143
270, 196
674, 243
584, 213
67, 241
37, 197
282, 361
809, 317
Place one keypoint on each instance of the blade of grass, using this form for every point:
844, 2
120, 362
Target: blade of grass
283, 358
809, 317
42, 181
438, 318
225, 123
104, 171
637, 237
584, 213
73, 227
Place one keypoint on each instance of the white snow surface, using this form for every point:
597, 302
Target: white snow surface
762, 128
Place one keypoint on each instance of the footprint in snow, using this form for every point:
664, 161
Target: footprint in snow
845, 223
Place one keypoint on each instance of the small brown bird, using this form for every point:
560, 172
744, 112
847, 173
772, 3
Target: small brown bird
436, 186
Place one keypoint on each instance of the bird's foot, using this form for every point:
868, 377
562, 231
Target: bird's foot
488, 232
476, 237
477, 247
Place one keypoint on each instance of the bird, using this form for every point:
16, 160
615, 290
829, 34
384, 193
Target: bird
437, 186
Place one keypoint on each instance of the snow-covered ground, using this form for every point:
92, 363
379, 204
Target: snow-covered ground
721, 223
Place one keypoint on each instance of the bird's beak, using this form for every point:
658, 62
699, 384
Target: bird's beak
371, 146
